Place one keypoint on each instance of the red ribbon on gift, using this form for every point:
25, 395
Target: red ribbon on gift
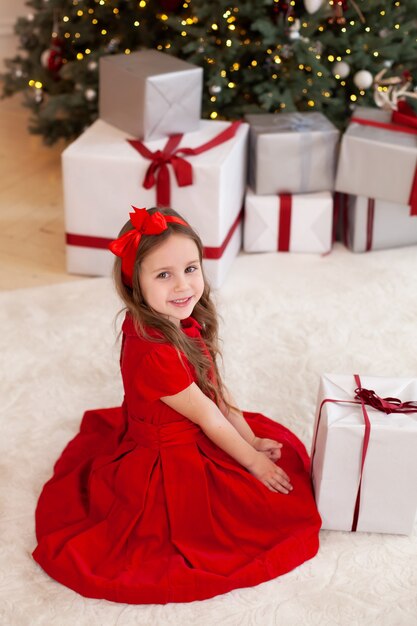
158, 172
102, 243
284, 222
340, 206
365, 397
404, 121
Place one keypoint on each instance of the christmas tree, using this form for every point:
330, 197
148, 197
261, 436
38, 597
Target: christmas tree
263, 56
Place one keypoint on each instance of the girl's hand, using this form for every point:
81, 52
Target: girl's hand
271, 448
270, 474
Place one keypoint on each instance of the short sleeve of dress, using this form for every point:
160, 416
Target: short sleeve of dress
162, 372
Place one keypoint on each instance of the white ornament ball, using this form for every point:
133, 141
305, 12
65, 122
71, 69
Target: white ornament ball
30, 17
363, 79
214, 89
312, 6
90, 94
341, 68
388, 63
92, 65
18, 73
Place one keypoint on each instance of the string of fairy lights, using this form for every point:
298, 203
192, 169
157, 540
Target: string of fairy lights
227, 32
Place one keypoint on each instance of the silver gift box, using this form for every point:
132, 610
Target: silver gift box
149, 94
292, 153
391, 226
376, 162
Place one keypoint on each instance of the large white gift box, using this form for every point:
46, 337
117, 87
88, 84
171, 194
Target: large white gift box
288, 223
387, 484
378, 158
103, 177
292, 152
150, 94
377, 224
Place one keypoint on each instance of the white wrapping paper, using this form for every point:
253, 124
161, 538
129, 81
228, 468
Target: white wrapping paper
376, 162
292, 153
103, 175
389, 483
311, 222
393, 226
150, 94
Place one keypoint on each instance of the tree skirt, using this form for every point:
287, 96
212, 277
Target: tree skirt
285, 320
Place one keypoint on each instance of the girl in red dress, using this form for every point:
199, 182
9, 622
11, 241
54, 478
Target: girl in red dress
176, 495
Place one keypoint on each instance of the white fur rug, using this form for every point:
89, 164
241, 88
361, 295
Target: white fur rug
286, 319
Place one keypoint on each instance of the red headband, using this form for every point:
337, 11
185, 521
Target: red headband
144, 223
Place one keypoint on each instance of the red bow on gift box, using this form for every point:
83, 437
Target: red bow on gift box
158, 172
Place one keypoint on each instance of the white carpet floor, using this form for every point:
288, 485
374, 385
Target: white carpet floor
285, 320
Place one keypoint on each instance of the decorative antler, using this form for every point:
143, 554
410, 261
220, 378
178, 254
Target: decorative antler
389, 91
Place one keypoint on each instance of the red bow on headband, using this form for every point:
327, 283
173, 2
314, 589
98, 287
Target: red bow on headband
144, 223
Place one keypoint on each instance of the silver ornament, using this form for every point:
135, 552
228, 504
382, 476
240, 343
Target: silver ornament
214, 89
363, 79
90, 94
92, 65
341, 68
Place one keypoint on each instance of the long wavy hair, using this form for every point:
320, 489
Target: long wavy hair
144, 317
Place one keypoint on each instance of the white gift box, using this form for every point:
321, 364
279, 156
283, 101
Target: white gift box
378, 224
376, 162
292, 153
103, 176
150, 94
388, 498
309, 224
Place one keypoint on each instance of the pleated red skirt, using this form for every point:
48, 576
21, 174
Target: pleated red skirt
145, 513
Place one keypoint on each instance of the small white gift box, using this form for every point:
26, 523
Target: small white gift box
150, 94
377, 224
358, 485
103, 176
378, 158
292, 153
288, 223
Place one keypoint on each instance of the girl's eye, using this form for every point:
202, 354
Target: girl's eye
163, 275
191, 268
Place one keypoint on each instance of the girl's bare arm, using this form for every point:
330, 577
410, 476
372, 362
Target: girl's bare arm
197, 407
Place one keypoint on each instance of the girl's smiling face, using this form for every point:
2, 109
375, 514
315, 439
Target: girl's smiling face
171, 278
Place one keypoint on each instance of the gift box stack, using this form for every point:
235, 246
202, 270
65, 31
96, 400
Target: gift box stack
377, 174
289, 203
364, 462
149, 147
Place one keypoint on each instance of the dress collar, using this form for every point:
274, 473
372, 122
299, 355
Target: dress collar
189, 326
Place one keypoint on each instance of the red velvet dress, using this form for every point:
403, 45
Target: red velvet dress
143, 508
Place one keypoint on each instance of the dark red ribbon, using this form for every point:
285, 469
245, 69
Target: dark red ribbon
402, 121
370, 223
284, 222
365, 397
158, 172
340, 208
